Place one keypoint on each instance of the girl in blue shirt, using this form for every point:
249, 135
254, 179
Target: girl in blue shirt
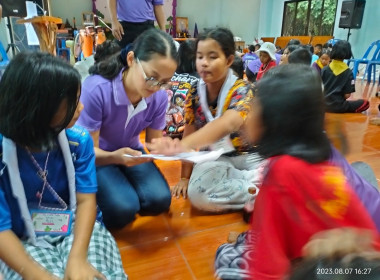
48, 227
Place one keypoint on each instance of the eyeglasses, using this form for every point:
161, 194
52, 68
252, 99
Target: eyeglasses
152, 82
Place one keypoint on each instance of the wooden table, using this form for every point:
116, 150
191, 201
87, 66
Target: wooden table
46, 29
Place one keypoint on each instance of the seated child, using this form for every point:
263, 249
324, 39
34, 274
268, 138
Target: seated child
48, 216
300, 56
252, 69
267, 57
249, 56
253, 66
238, 67
287, 51
302, 192
323, 60
293, 42
213, 121
184, 80
318, 49
328, 45
314, 56
339, 82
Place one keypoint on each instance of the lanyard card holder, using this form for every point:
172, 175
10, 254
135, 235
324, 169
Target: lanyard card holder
49, 222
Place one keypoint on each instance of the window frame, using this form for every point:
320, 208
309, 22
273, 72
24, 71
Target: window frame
305, 33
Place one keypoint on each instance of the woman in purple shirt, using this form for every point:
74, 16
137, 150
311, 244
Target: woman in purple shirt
130, 18
121, 99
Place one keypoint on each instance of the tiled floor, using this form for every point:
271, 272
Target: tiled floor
181, 244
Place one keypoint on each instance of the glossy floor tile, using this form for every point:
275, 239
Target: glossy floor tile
181, 244
156, 260
199, 248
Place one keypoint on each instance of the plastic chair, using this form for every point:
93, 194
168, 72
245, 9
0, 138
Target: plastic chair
5, 60
371, 68
62, 50
364, 59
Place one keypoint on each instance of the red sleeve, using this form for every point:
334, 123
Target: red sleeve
297, 200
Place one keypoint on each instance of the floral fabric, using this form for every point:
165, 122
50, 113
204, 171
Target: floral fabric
238, 98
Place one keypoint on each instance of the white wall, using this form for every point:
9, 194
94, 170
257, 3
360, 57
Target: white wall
271, 12
241, 16
246, 18
203, 12
67, 9
360, 39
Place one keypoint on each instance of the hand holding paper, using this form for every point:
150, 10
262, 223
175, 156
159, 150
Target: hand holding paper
166, 146
130, 157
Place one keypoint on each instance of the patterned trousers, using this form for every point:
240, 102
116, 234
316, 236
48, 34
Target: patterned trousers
103, 254
223, 184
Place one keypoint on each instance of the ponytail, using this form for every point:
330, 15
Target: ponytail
110, 67
150, 42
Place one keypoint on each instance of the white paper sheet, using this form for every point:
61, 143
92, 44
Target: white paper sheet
196, 157
31, 9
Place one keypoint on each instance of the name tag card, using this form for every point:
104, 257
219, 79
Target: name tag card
51, 222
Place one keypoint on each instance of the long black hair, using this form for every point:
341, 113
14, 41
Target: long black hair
186, 58
292, 104
105, 50
147, 44
32, 88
